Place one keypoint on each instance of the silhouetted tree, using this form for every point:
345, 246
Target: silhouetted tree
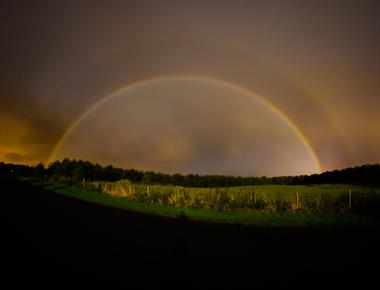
39, 170
79, 169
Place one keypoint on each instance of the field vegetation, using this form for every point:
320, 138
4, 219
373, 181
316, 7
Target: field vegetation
286, 201
275, 199
261, 205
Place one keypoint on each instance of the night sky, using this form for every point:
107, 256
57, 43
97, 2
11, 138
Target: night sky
232, 87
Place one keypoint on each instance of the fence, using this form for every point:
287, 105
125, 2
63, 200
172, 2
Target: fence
239, 198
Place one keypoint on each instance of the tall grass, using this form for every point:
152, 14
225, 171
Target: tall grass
273, 199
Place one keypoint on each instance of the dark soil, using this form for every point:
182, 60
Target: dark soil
52, 240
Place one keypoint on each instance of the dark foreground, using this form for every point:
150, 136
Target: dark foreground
48, 239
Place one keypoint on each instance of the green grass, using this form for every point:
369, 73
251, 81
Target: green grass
236, 217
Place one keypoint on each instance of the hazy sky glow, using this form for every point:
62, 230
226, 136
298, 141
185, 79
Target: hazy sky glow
317, 62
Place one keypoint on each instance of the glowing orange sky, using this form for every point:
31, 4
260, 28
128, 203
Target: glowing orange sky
316, 61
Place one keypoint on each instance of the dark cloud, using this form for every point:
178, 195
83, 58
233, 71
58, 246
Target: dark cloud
316, 61
16, 157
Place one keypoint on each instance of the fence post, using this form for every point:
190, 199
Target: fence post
318, 200
177, 194
147, 190
297, 200
349, 199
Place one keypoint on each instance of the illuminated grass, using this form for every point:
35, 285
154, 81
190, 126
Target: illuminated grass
236, 217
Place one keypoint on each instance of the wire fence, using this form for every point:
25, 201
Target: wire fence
271, 199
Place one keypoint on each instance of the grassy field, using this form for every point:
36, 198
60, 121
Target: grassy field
50, 237
277, 205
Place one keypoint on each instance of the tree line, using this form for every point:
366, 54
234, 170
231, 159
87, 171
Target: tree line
78, 170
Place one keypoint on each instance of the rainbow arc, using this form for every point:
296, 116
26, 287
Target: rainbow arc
142, 83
